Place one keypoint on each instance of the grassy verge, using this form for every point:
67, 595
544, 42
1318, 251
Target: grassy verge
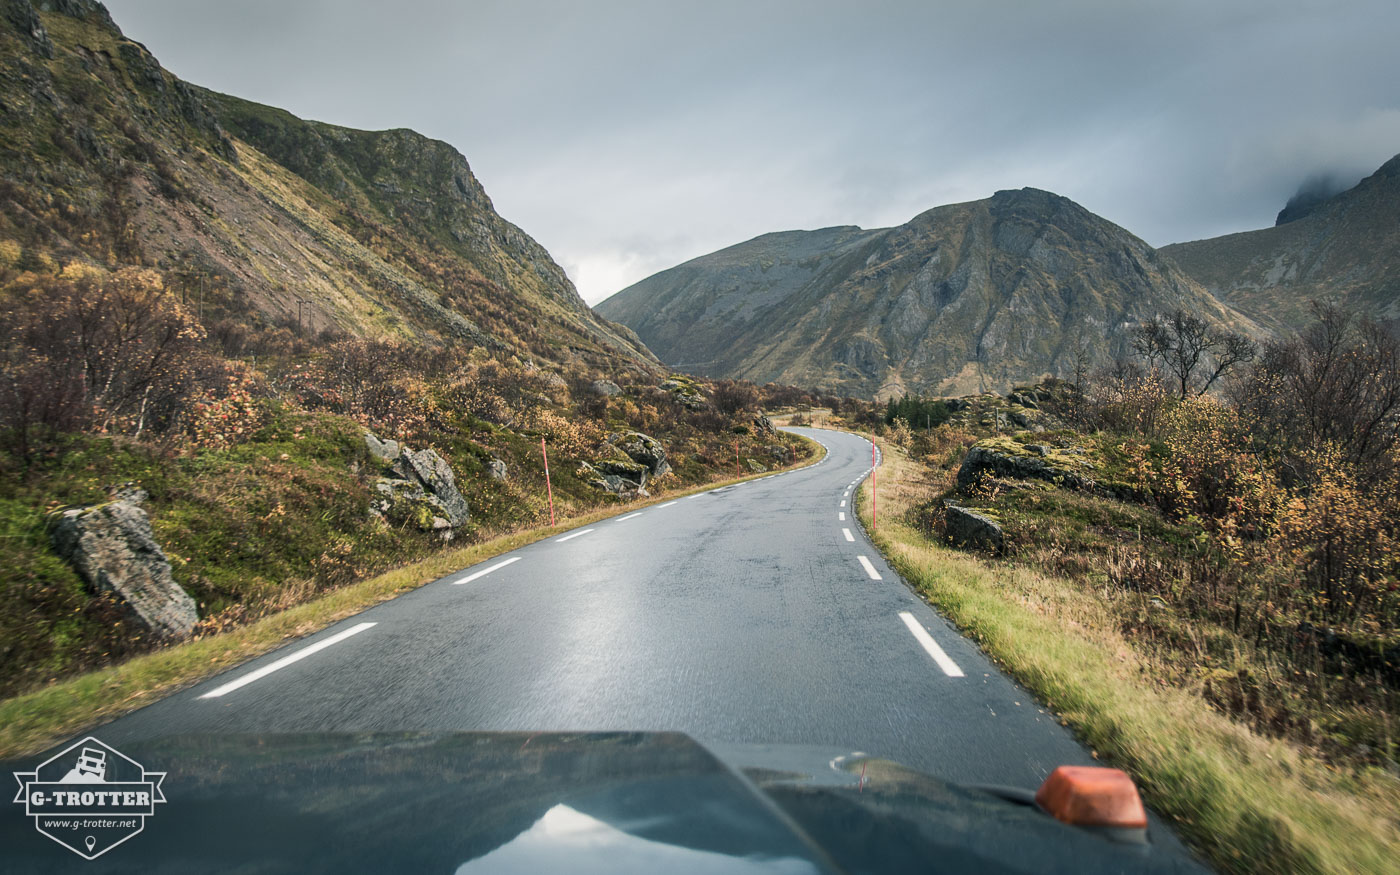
37, 720
1250, 803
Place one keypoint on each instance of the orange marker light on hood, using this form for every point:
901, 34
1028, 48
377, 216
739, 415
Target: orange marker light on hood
1092, 796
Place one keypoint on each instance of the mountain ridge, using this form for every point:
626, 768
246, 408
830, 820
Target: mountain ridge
281, 221
963, 297
1345, 248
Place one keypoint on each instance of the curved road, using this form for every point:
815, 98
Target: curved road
756, 613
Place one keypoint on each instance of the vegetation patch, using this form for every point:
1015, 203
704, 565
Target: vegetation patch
1251, 802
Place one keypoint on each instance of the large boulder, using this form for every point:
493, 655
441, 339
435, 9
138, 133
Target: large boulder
644, 450
114, 550
967, 528
622, 487
404, 502
430, 470
606, 388
764, 426
1003, 457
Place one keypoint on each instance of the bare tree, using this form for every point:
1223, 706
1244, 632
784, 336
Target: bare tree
1188, 350
1337, 383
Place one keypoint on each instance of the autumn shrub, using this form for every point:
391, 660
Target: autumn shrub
85, 349
1211, 471
1338, 545
1127, 399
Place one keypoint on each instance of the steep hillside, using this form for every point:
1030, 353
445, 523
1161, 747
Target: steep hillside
107, 157
962, 298
1345, 248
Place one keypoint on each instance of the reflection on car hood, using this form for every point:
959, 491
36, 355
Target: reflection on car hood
557, 802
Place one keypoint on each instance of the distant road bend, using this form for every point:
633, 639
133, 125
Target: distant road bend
756, 613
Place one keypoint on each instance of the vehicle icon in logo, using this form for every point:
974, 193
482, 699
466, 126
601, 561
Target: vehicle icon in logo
89, 797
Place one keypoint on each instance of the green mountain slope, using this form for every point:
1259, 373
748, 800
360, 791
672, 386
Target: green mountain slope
1346, 248
105, 156
963, 298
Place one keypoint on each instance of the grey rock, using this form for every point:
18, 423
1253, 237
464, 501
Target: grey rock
130, 492
435, 475
643, 449
386, 450
984, 459
114, 550
405, 502
968, 528
755, 466
618, 485
606, 388
781, 455
764, 425
496, 470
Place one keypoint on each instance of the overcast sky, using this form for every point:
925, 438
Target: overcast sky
628, 137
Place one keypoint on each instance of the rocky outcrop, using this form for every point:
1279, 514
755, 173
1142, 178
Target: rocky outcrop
1002, 457
645, 460
114, 550
604, 476
967, 528
781, 455
643, 449
420, 490
435, 475
685, 391
605, 388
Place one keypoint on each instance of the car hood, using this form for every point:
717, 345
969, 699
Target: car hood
564, 802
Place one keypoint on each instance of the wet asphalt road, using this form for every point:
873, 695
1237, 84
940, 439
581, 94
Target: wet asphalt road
740, 615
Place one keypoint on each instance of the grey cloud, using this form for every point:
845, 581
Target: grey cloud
648, 133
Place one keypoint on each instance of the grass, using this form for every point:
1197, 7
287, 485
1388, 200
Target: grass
38, 720
1249, 803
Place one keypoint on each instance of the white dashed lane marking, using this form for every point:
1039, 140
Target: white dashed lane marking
847, 533
926, 641
572, 535
285, 661
869, 569
485, 571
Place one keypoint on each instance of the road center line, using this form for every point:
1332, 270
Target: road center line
285, 661
847, 533
869, 569
628, 517
925, 640
485, 571
572, 535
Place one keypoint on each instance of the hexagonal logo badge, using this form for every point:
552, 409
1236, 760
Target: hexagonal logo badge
89, 797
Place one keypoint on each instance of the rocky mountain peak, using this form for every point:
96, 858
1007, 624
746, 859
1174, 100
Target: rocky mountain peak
962, 298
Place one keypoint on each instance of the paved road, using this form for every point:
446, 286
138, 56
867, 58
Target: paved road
741, 615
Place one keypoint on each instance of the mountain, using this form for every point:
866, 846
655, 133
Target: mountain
963, 298
107, 157
1344, 248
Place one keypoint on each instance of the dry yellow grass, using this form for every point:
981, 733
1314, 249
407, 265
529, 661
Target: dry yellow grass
1250, 803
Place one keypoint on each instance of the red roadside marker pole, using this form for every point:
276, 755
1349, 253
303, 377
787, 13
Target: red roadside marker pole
547, 488
872, 484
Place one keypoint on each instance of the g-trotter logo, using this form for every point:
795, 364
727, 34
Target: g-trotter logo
89, 797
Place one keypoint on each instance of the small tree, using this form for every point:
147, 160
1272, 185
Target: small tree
1184, 347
